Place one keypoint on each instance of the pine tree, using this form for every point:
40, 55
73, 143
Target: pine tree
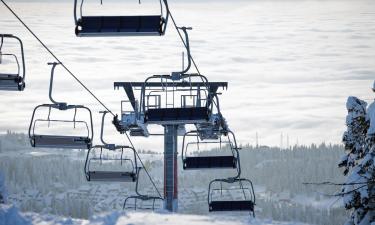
358, 163
355, 135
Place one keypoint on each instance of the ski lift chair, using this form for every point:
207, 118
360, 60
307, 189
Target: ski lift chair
12, 81
112, 167
178, 98
168, 90
83, 141
239, 196
230, 161
142, 25
193, 91
151, 200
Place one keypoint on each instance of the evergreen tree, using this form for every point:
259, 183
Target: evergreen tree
354, 137
359, 162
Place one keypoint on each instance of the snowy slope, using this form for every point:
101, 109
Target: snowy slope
10, 215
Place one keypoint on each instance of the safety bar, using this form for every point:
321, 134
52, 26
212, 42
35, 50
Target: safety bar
231, 181
234, 148
165, 17
140, 196
168, 77
101, 147
50, 106
2, 36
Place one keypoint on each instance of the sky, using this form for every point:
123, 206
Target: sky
290, 64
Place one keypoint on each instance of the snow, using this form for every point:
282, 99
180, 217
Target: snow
354, 177
325, 203
34, 153
10, 215
356, 107
264, 163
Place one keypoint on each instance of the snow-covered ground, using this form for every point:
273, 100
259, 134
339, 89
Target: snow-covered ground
10, 215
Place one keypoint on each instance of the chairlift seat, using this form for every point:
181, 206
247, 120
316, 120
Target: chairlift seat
151, 25
112, 176
147, 207
245, 205
11, 82
137, 132
142, 198
56, 141
184, 115
210, 162
6, 76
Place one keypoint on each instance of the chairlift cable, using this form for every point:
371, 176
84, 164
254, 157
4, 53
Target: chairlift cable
57, 59
1, 43
143, 165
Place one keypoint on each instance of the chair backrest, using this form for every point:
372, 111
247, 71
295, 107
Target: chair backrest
223, 146
139, 25
12, 80
72, 133
54, 141
231, 194
117, 164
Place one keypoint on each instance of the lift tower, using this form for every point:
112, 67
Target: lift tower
171, 104
172, 101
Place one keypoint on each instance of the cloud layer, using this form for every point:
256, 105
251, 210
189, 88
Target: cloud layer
290, 64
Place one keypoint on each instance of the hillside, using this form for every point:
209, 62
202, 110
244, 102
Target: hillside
11, 215
58, 185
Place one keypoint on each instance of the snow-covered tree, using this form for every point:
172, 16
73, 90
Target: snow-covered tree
355, 136
359, 162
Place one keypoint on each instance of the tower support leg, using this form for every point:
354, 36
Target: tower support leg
170, 168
